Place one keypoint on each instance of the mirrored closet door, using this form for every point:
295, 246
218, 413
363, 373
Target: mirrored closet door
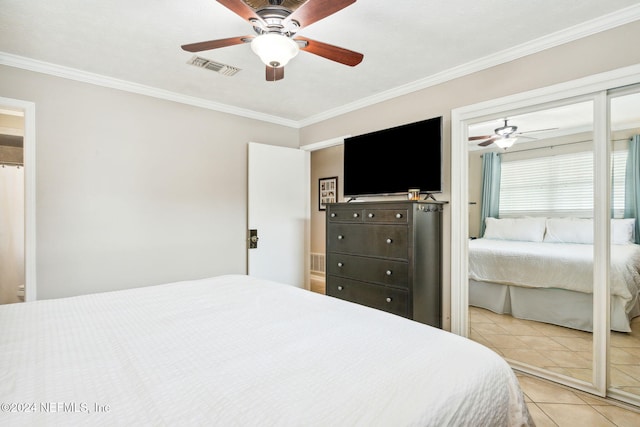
624, 282
545, 241
531, 229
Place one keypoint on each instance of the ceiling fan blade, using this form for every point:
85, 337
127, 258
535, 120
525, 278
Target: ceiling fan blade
241, 9
215, 44
475, 138
314, 10
274, 73
334, 53
487, 142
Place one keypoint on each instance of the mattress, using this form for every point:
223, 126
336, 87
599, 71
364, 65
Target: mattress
235, 350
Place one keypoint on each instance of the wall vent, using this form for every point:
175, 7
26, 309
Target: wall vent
317, 263
226, 70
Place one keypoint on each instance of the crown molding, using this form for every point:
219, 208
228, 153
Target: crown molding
606, 22
110, 82
603, 23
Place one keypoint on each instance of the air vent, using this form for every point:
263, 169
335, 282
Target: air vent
317, 263
226, 70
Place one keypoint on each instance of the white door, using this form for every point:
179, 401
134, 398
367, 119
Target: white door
278, 208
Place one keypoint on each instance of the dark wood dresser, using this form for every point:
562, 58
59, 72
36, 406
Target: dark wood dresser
387, 255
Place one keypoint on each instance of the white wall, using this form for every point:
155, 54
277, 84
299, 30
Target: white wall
133, 190
325, 163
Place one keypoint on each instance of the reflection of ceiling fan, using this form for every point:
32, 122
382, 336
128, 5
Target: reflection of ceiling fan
276, 26
504, 136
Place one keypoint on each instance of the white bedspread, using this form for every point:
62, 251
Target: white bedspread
234, 350
552, 265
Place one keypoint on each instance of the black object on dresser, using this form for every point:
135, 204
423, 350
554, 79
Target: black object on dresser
386, 255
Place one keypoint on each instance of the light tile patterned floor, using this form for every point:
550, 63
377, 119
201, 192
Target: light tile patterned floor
567, 351
555, 405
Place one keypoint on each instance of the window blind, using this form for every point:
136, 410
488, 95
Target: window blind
556, 186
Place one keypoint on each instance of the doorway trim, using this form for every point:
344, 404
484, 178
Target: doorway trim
29, 153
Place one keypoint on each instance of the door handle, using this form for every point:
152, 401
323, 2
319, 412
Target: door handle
253, 239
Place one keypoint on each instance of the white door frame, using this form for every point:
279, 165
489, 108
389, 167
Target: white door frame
29, 153
596, 86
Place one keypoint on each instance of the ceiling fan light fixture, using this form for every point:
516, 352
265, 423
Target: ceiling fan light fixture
506, 130
274, 50
505, 142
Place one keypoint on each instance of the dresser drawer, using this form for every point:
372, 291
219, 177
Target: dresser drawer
383, 298
393, 216
345, 215
376, 270
389, 241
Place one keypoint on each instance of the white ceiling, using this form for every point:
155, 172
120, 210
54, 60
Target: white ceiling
407, 45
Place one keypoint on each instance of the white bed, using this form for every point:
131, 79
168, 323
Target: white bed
235, 350
550, 278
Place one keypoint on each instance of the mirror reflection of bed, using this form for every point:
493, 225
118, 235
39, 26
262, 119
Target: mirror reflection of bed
531, 245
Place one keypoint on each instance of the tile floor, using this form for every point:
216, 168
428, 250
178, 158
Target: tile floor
558, 406
565, 351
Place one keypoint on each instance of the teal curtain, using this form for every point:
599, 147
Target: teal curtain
490, 188
632, 184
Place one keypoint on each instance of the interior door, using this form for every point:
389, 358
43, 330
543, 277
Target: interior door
278, 209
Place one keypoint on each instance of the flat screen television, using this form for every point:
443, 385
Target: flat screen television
394, 160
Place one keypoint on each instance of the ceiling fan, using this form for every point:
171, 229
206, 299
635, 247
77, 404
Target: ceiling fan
276, 26
504, 136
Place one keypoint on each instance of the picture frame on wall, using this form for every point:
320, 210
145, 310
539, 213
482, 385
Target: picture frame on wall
327, 192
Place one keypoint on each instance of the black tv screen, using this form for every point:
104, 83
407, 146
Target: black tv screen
394, 160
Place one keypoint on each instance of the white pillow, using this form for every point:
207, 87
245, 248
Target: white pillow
569, 230
580, 230
622, 231
527, 229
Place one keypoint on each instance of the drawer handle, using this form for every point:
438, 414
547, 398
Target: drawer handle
398, 215
333, 214
389, 272
340, 288
340, 264
356, 214
389, 240
389, 299
340, 237
371, 215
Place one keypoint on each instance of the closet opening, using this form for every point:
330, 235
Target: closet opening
587, 150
